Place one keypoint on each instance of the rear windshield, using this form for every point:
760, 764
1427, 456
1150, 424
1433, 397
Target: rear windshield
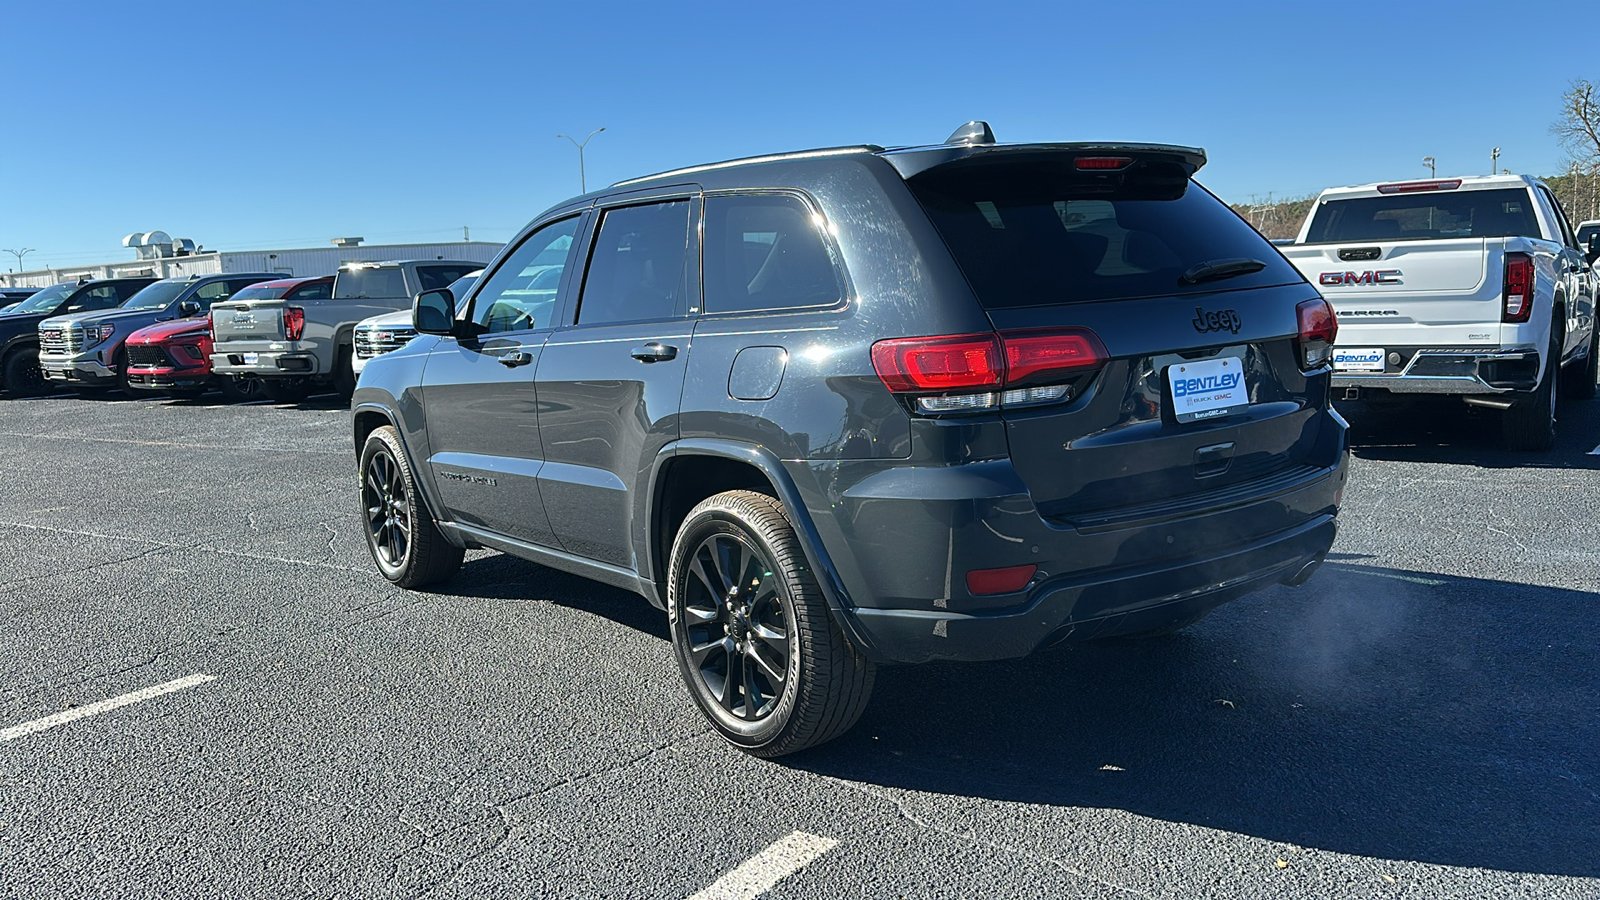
258, 292
388, 281
1039, 234
1434, 215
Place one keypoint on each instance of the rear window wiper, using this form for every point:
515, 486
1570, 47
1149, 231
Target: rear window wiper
1216, 270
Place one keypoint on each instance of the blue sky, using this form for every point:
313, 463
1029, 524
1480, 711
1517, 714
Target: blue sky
246, 125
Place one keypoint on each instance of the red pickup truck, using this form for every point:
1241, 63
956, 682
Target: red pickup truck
175, 356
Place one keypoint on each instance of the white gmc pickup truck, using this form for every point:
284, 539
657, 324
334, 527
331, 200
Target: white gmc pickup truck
1474, 287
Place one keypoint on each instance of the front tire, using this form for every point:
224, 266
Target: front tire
1530, 423
755, 643
344, 375
1580, 385
402, 537
24, 378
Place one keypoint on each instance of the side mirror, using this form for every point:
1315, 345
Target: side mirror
434, 312
1593, 252
188, 309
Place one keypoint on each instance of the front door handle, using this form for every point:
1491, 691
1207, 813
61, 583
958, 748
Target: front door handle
655, 351
519, 358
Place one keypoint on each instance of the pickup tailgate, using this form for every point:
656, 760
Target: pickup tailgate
247, 320
1413, 293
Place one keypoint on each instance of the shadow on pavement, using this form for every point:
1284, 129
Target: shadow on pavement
501, 577
1445, 430
1384, 713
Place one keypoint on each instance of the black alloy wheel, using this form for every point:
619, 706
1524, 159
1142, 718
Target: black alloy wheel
737, 626
756, 644
388, 505
23, 376
405, 541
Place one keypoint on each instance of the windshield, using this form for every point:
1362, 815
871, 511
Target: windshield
46, 300
157, 295
1038, 234
258, 292
1434, 215
387, 281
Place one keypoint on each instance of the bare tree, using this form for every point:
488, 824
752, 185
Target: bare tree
1578, 128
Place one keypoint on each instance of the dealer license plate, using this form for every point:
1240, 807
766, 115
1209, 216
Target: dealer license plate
1207, 389
250, 358
1358, 359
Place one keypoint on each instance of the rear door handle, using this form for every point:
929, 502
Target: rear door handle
519, 358
655, 351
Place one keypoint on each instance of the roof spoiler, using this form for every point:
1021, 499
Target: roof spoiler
914, 161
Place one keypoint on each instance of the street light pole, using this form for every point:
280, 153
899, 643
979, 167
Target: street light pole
19, 255
1494, 160
1432, 171
583, 181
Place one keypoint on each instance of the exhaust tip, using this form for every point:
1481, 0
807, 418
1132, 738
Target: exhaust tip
1304, 573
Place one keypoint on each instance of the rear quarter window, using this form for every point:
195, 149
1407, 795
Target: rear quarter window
1040, 233
765, 252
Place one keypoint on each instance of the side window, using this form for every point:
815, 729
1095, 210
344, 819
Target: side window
103, 297
208, 294
636, 270
1561, 218
521, 294
434, 277
763, 253
320, 291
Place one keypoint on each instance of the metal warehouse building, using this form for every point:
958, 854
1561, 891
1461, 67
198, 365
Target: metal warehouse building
160, 256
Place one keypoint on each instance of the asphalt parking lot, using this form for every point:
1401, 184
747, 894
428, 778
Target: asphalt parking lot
1418, 721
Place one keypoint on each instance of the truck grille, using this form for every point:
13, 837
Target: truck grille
372, 342
61, 340
148, 357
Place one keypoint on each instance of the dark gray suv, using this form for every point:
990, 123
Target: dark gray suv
853, 406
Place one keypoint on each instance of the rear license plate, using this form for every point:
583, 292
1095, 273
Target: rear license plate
1207, 389
1358, 359
251, 358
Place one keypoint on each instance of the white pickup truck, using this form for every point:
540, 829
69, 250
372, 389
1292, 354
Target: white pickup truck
1473, 287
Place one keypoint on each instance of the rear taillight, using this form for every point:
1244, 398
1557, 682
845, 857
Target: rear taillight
294, 323
1518, 294
1101, 163
1028, 367
1318, 328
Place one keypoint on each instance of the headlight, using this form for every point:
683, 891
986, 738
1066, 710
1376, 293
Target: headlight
94, 334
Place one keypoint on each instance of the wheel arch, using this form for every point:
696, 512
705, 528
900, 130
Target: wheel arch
367, 417
688, 471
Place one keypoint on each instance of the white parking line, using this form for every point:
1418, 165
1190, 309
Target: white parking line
756, 875
94, 709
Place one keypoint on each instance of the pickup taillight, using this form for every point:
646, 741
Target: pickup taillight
1518, 294
294, 323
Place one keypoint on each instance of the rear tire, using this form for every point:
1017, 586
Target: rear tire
24, 378
285, 389
768, 668
1580, 384
402, 536
1530, 423
237, 389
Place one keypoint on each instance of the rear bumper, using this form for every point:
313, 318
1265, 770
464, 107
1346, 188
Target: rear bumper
1425, 370
266, 363
1102, 605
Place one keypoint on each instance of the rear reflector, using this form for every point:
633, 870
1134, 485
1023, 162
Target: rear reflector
1100, 163
1518, 294
1412, 187
1000, 581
